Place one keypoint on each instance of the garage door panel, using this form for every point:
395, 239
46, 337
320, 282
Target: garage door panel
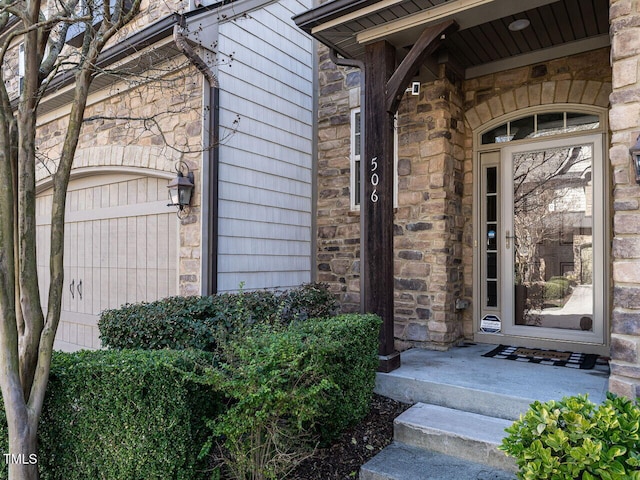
94, 298
122, 286
86, 290
152, 242
132, 281
122, 242
141, 242
164, 230
120, 246
163, 283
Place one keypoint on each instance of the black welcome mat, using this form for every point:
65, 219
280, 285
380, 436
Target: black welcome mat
583, 361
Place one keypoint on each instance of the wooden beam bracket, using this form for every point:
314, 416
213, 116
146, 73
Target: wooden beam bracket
428, 42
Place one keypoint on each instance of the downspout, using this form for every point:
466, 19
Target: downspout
349, 62
211, 151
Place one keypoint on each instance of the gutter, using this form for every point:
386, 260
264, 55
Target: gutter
129, 46
210, 164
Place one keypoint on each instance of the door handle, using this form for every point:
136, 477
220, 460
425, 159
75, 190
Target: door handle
80, 289
508, 237
72, 288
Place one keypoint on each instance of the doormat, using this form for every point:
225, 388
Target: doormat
583, 361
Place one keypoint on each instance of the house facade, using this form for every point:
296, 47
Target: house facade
220, 89
475, 181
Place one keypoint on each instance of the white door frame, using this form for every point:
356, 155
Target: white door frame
595, 341
595, 336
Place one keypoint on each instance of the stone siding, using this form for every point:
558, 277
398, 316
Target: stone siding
428, 220
118, 137
583, 79
338, 260
625, 128
433, 219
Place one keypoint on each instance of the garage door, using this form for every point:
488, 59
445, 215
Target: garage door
120, 247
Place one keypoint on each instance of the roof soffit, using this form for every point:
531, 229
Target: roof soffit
484, 42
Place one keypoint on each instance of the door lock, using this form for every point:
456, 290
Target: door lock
508, 237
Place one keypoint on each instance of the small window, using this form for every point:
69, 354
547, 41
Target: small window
356, 146
541, 125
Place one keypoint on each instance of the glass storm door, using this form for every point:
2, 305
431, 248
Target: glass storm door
552, 246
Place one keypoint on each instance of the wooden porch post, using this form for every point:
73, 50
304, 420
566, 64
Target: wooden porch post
376, 207
384, 88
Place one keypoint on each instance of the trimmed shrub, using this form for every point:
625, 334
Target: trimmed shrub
576, 439
194, 322
556, 288
123, 414
289, 388
347, 353
269, 396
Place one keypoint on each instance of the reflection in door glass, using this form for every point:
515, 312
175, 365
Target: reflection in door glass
553, 242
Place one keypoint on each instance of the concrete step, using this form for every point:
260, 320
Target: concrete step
463, 379
465, 435
464, 401
484, 402
404, 462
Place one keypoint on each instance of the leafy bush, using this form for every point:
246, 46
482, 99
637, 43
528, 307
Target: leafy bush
556, 288
269, 396
121, 414
575, 439
348, 354
193, 322
290, 387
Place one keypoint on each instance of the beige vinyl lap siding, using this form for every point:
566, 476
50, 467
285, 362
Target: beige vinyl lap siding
265, 209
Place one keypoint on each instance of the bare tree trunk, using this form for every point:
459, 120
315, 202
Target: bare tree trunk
26, 337
24, 465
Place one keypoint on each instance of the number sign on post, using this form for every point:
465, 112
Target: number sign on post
376, 267
375, 179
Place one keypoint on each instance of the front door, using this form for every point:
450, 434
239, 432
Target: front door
543, 224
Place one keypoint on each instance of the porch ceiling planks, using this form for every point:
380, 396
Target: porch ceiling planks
562, 22
483, 40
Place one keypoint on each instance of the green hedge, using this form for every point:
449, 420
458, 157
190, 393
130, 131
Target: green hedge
116, 415
347, 353
556, 288
145, 414
289, 389
193, 322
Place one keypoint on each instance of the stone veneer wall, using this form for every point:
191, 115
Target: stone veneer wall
625, 126
433, 221
428, 219
580, 79
174, 104
338, 256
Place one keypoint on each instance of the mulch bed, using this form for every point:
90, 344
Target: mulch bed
343, 459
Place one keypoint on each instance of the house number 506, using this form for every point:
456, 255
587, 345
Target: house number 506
375, 179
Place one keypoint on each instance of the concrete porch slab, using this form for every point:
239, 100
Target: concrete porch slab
463, 379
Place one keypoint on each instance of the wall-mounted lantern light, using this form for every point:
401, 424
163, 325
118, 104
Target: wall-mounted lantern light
181, 187
635, 158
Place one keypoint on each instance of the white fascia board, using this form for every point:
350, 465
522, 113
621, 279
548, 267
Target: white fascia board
363, 12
